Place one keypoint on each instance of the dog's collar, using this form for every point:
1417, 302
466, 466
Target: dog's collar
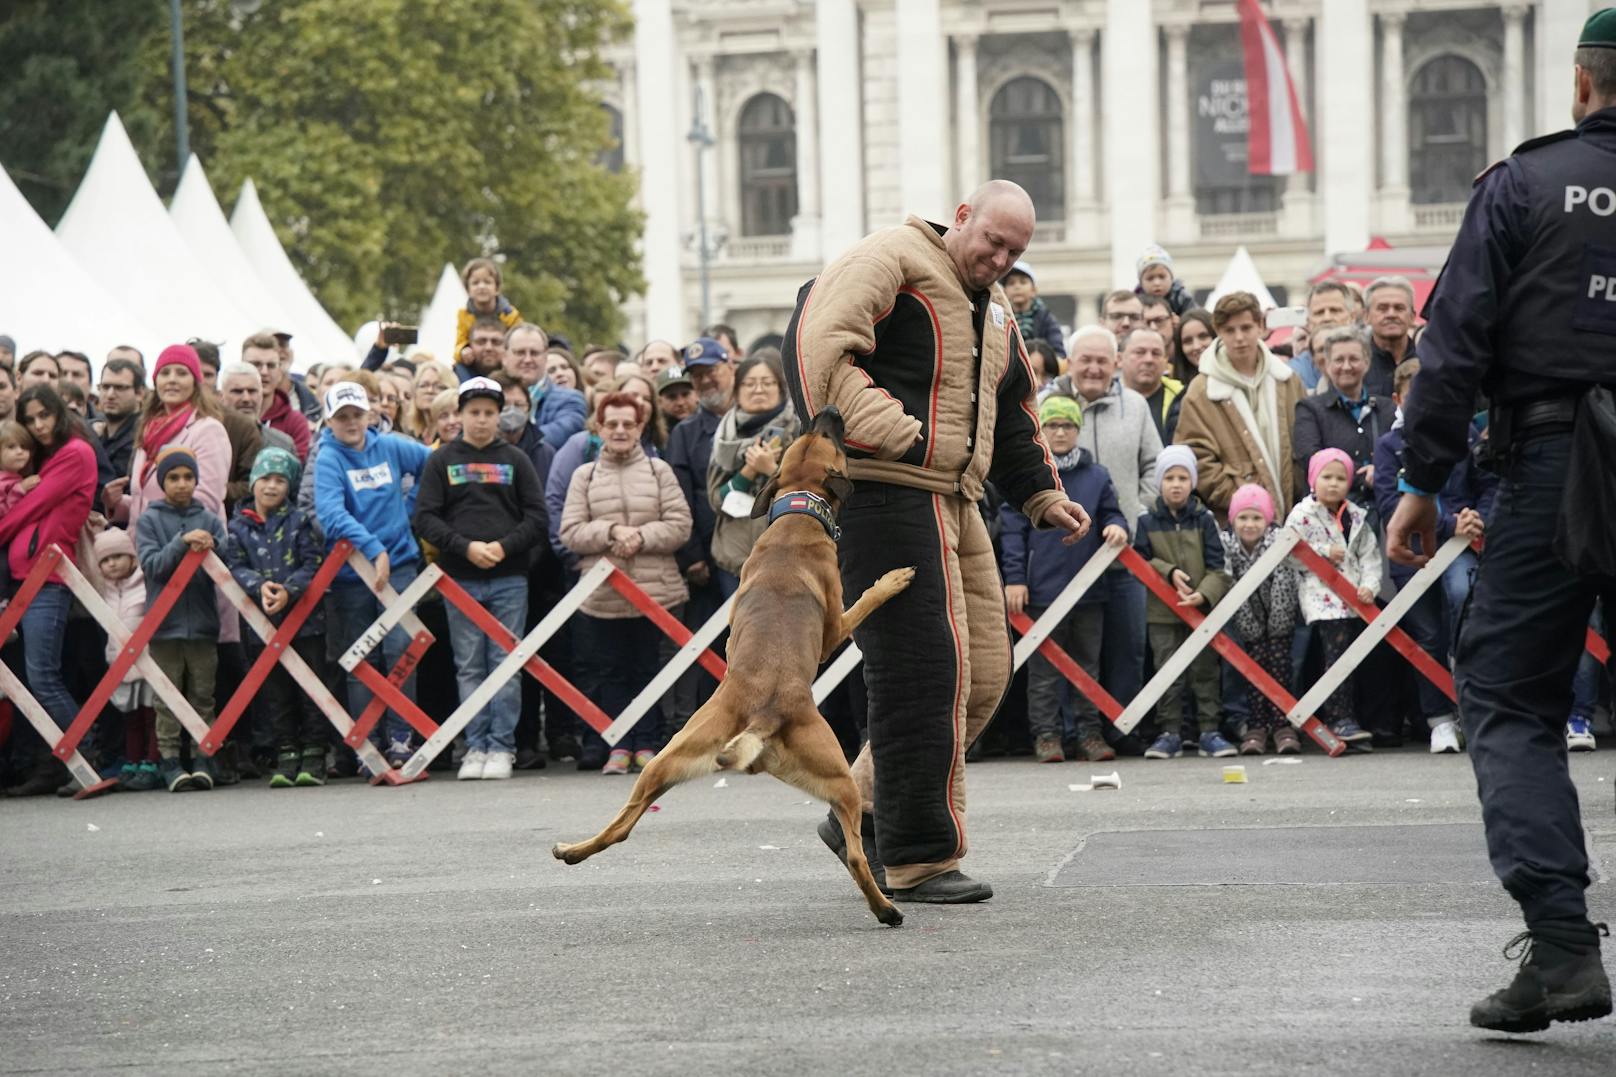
806, 503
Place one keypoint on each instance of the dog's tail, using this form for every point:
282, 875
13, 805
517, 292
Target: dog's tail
741, 751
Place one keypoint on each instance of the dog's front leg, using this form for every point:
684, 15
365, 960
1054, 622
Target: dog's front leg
879, 593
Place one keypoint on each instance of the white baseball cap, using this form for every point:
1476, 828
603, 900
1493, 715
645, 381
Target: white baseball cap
472, 388
345, 394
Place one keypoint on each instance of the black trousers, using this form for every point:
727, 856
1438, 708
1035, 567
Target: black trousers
1520, 639
286, 714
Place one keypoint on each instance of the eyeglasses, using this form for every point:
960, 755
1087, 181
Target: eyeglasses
619, 424
1060, 428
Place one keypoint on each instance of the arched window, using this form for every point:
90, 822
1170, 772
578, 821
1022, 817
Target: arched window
767, 139
1025, 132
1447, 130
611, 158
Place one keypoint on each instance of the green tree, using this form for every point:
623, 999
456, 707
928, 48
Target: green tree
390, 136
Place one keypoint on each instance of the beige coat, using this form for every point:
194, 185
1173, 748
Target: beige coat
1227, 455
642, 493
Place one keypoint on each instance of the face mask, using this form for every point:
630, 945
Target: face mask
511, 419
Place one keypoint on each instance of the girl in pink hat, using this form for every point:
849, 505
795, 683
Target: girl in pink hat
1267, 620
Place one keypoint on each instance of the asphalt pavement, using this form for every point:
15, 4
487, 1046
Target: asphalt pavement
1301, 923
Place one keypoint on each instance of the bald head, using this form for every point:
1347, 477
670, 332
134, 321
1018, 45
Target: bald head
991, 230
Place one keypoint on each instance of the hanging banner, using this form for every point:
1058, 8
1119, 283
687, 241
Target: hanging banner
1222, 124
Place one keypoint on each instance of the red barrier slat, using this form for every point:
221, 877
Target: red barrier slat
1596, 646
275, 646
1400, 641
1069, 669
664, 620
1231, 652
156, 612
390, 695
396, 676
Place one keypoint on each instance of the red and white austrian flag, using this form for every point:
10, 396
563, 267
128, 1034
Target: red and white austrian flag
1277, 144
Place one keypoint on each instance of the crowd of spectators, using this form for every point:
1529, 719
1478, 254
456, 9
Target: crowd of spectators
518, 462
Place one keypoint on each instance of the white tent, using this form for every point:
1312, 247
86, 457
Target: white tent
439, 318
47, 300
315, 337
195, 211
1241, 275
120, 233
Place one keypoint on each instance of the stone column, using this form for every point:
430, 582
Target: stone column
805, 226
923, 106
967, 117
1394, 208
717, 179
657, 116
1083, 222
1179, 226
1296, 220
1514, 88
840, 125
628, 78
1345, 147
1131, 136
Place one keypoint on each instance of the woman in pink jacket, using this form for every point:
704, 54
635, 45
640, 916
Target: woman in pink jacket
54, 511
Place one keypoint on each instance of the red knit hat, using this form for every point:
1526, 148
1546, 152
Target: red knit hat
184, 355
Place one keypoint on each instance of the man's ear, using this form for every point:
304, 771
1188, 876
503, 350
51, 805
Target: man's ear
765, 497
838, 485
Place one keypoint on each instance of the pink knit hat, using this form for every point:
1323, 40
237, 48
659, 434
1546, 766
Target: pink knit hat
1252, 496
112, 541
1318, 461
184, 355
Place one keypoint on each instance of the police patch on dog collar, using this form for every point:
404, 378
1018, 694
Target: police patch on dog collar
805, 503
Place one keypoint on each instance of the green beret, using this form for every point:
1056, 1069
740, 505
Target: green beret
1599, 32
1056, 407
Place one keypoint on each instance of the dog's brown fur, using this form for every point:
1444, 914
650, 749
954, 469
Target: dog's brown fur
787, 620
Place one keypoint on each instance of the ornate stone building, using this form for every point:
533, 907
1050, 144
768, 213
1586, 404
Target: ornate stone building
825, 119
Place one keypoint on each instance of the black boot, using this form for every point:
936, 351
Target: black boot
949, 888
830, 832
225, 770
1561, 979
46, 777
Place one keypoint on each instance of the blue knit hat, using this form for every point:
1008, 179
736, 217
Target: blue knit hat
171, 457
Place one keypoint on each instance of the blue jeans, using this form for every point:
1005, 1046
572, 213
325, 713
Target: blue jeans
350, 608
1585, 689
493, 728
43, 625
1431, 621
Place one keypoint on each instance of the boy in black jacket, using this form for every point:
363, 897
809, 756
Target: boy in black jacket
482, 506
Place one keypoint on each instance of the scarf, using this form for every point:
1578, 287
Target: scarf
1254, 398
160, 430
1027, 319
738, 430
1068, 461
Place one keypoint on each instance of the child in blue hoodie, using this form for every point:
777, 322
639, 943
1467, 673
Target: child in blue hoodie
185, 647
273, 552
359, 496
1037, 566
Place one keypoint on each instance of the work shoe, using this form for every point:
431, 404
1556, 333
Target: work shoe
642, 759
472, 766
617, 762
202, 772
830, 832
1166, 746
1215, 745
145, 779
1287, 741
1553, 984
1096, 750
1348, 730
175, 778
1446, 738
949, 888
564, 749
530, 759
1579, 734
1255, 742
498, 766
1048, 749
225, 771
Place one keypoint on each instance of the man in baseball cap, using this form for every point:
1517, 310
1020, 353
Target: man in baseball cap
676, 396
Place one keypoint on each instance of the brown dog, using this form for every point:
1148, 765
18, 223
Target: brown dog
786, 621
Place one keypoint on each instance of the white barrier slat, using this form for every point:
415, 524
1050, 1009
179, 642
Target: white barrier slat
512, 664
837, 672
682, 660
396, 608
1379, 628
1201, 638
12, 688
1074, 590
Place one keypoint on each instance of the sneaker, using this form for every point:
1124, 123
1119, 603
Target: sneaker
127, 774
1287, 741
145, 780
530, 759
311, 772
1048, 749
1166, 746
1579, 734
1255, 742
1096, 750
175, 778
564, 749
287, 765
617, 762
1352, 733
1446, 738
398, 753
202, 772
497, 767
1215, 745
472, 766
1553, 984
642, 759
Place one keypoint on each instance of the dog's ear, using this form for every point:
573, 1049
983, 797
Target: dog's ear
838, 485
765, 497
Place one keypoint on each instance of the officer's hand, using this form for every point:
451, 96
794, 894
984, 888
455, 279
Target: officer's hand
1015, 597
1415, 515
1069, 516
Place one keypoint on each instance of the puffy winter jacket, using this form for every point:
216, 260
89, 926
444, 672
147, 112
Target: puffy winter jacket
283, 548
1187, 540
1320, 530
1040, 560
643, 493
160, 547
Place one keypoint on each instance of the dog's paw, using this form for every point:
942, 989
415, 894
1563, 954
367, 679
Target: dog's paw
895, 581
890, 916
559, 851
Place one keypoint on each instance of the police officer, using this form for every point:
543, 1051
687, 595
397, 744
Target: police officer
1517, 313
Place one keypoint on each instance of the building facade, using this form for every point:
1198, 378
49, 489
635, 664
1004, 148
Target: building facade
784, 130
